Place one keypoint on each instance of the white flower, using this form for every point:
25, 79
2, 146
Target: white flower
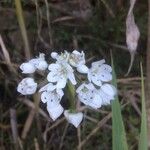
27, 68
39, 62
63, 57
99, 72
89, 95
51, 96
60, 72
73, 118
27, 86
33, 64
107, 93
77, 60
55, 111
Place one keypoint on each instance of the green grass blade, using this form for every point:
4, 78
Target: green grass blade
143, 143
21, 22
119, 141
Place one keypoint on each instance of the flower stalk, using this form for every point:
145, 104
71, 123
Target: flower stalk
71, 96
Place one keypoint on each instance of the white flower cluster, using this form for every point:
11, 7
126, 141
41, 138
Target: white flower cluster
95, 91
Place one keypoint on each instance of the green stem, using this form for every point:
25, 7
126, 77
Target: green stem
71, 96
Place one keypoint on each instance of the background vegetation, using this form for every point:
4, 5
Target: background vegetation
95, 26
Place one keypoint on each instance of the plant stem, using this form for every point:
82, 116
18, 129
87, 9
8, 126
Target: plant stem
22, 27
71, 96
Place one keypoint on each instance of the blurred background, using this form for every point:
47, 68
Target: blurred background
95, 26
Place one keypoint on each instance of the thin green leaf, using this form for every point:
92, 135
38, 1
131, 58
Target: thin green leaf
143, 145
119, 141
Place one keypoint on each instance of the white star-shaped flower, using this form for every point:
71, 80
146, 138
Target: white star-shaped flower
89, 95
27, 86
63, 57
73, 118
99, 72
36, 63
52, 97
77, 60
39, 62
60, 73
107, 93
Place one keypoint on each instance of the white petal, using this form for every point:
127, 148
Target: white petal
54, 67
74, 118
90, 86
61, 83
31, 89
71, 77
89, 76
97, 80
105, 76
105, 98
21, 89
52, 77
76, 52
105, 67
97, 101
60, 92
29, 81
55, 112
44, 97
27, 86
67, 67
27, 68
109, 89
98, 63
42, 56
54, 55
42, 65
48, 87
34, 62
82, 69
53, 100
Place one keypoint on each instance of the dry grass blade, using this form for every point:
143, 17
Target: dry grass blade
31, 105
36, 144
5, 52
63, 136
94, 131
6, 55
28, 124
79, 137
52, 127
22, 27
65, 18
49, 23
13, 121
39, 25
108, 8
